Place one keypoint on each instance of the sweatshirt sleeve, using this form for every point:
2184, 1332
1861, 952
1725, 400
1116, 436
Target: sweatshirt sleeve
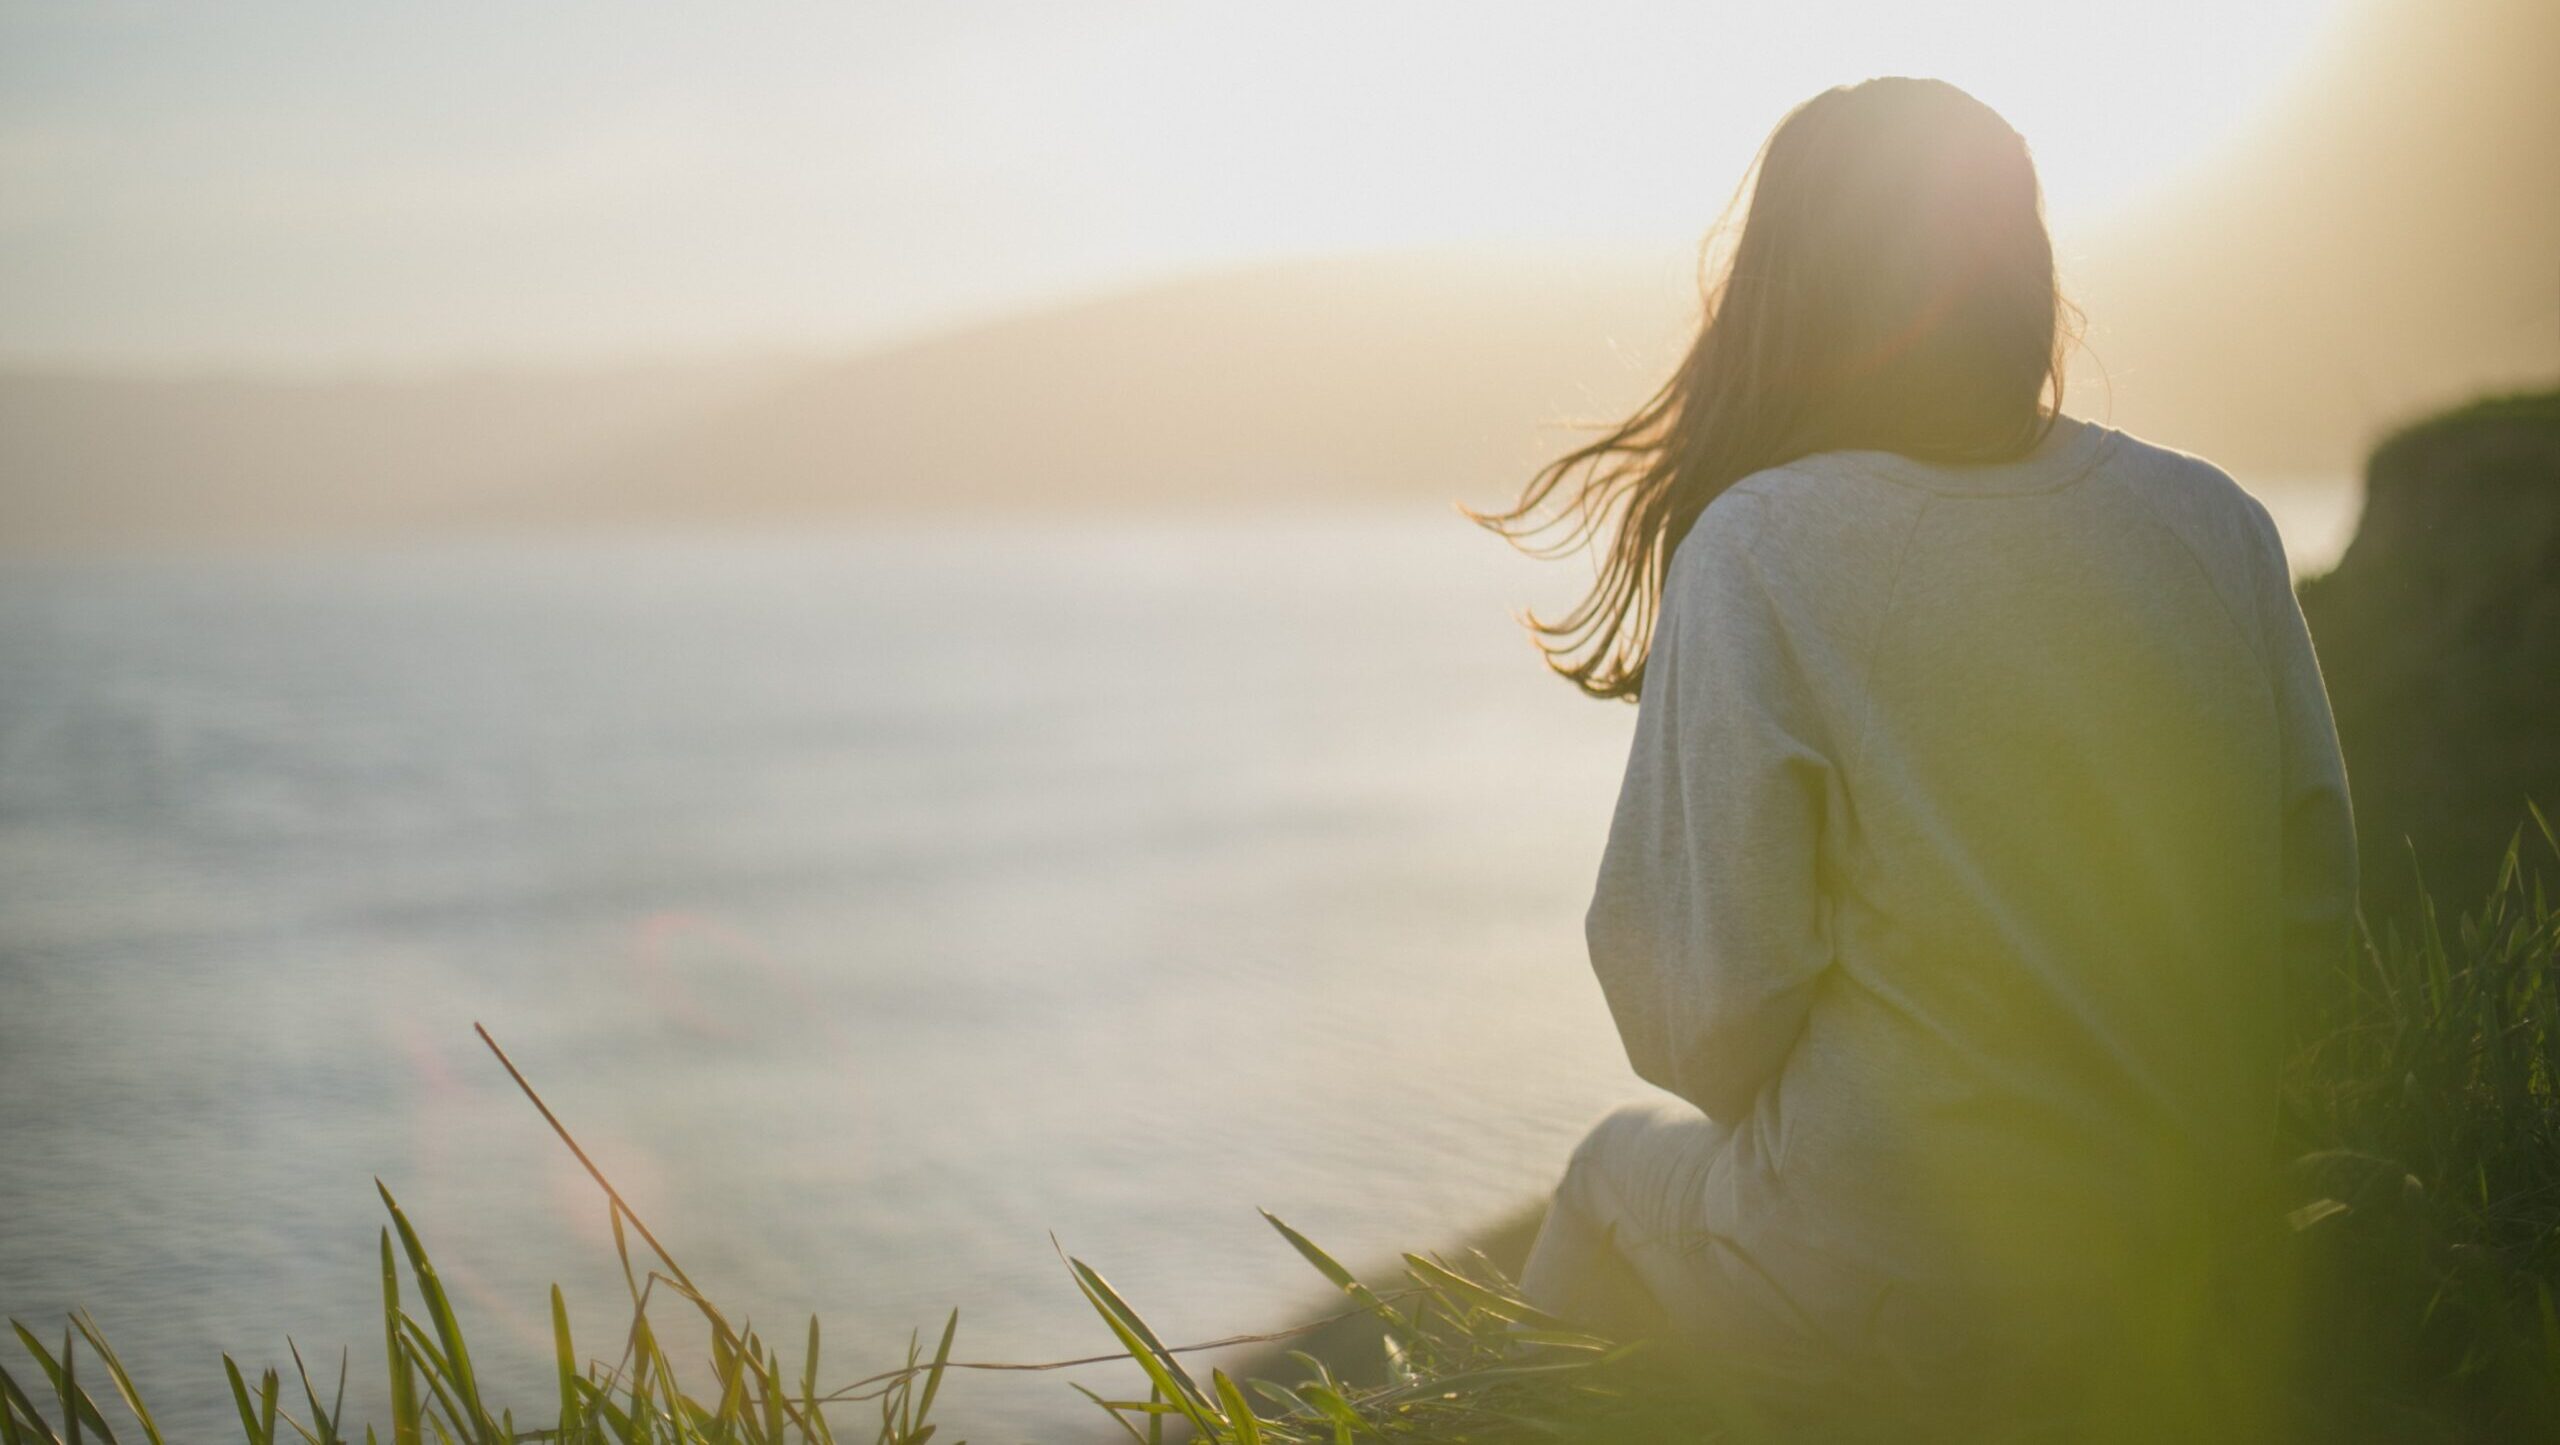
2319, 862
1706, 928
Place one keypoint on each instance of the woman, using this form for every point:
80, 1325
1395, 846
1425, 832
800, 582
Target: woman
1983, 782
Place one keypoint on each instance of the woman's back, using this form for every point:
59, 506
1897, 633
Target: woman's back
1982, 784
2048, 730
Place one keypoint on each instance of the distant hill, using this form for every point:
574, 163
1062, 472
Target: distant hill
89, 460
2388, 241
1419, 377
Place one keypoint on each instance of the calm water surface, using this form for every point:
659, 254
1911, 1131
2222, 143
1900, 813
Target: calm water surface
874, 907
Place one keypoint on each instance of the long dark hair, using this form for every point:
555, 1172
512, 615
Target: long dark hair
1891, 288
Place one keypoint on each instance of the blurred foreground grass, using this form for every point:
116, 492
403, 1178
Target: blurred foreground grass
2409, 1290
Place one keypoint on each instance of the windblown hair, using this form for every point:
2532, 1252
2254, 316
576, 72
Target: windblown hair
1891, 288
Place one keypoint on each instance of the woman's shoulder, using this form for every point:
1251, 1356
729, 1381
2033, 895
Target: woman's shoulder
1803, 538
1839, 498
2199, 500
1801, 511
2172, 467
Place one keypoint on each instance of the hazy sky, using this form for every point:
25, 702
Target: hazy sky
377, 183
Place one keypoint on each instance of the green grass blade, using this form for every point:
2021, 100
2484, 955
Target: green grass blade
404, 1387
813, 1413
115, 1371
66, 1391
1285, 1398
1240, 1416
600, 1408
257, 1433
1111, 1408
16, 1408
1325, 1264
775, 1393
72, 1394
729, 1368
1332, 1405
1434, 1275
429, 1365
1316, 1369
941, 1359
1144, 1348
564, 1356
809, 1367
1342, 1279
320, 1417
457, 1353
1098, 1286
338, 1404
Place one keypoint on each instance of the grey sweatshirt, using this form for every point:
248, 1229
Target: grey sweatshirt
1971, 816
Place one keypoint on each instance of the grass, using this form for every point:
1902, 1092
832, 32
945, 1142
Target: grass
2425, 1100
2412, 1292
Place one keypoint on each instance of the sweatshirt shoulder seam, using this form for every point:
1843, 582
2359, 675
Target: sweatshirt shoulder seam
2253, 636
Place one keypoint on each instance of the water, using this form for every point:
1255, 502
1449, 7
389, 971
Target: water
873, 906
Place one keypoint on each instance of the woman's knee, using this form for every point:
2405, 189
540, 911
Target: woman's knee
1609, 1251
1642, 1167
1633, 1116
1632, 1130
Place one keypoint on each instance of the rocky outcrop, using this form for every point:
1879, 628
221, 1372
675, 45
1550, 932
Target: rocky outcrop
2439, 633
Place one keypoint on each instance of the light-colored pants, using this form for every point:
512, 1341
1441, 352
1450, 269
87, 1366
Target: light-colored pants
1627, 1252
1622, 1250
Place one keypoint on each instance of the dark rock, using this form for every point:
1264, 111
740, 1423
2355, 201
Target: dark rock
2439, 634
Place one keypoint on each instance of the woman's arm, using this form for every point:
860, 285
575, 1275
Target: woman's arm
1706, 929
2319, 823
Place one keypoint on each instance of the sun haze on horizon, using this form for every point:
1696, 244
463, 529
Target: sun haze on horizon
302, 185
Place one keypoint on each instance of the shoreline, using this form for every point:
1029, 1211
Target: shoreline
1352, 1346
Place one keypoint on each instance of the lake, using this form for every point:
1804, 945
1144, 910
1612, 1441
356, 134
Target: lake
873, 906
